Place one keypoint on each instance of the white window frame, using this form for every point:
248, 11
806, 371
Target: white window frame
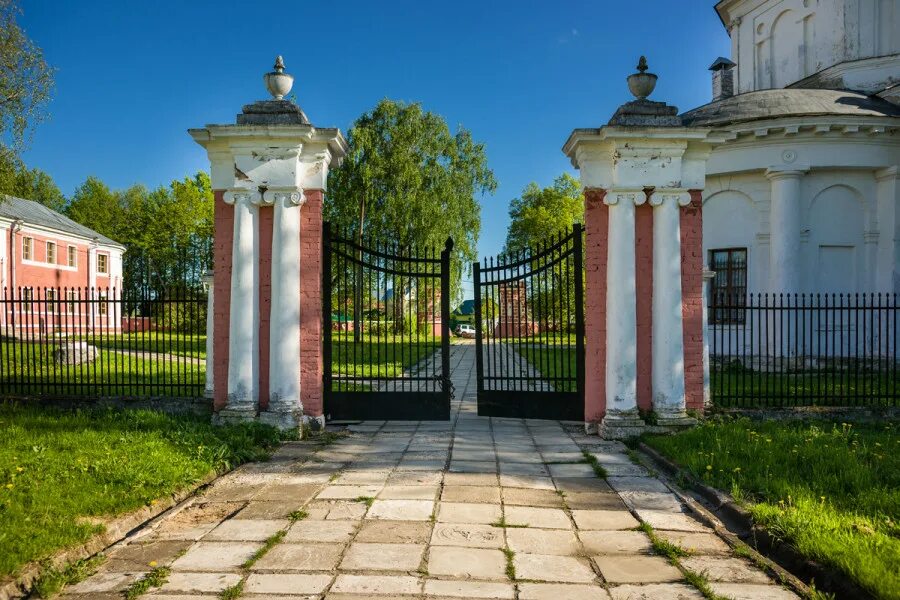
27, 300
71, 300
105, 269
103, 304
27, 247
50, 246
51, 300
72, 256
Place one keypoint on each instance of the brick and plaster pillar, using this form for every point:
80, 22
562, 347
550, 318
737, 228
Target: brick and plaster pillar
784, 235
268, 173
643, 152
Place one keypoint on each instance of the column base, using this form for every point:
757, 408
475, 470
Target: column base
227, 416
621, 426
282, 420
314, 423
675, 421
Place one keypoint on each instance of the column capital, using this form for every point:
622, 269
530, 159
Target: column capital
635, 196
235, 196
294, 196
792, 172
887, 173
680, 196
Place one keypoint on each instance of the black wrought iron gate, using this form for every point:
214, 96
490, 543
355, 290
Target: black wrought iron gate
387, 339
529, 331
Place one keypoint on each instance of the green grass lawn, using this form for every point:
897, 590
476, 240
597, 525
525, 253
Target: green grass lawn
58, 468
809, 388
29, 369
830, 489
552, 362
379, 356
161, 342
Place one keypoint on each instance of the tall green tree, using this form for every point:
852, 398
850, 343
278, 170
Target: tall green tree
541, 212
33, 184
408, 180
167, 232
26, 80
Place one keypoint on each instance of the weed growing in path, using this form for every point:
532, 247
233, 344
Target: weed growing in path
154, 579
270, 542
590, 459
52, 580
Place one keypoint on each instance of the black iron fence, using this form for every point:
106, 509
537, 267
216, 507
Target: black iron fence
529, 322
386, 342
804, 350
101, 342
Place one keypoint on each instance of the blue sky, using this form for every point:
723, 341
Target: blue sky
134, 76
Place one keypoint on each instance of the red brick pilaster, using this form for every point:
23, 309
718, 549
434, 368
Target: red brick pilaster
266, 223
311, 322
643, 255
222, 241
692, 303
596, 226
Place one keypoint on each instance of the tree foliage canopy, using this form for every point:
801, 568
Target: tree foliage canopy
26, 81
32, 184
167, 231
408, 180
542, 212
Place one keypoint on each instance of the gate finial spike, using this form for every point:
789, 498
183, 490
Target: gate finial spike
448, 245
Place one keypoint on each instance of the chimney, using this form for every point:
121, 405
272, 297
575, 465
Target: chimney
722, 78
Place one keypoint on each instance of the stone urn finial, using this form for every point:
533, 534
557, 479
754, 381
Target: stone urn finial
641, 83
278, 82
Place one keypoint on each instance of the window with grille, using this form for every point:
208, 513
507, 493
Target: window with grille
70, 301
102, 307
73, 256
50, 298
728, 293
51, 252
102, 263
27, 248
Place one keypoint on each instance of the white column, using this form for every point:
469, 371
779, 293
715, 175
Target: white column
210, 320
668, 333
243, 342
284, 409
784, 238
621, 310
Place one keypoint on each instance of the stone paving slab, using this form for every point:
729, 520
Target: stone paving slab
426, 510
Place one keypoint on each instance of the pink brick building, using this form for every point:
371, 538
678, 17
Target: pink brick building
55, 262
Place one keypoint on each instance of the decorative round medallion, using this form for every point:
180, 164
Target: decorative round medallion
789, 156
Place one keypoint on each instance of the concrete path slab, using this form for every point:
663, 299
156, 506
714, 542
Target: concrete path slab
439, 511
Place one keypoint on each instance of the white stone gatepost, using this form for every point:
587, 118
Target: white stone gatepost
267, 252
644, 154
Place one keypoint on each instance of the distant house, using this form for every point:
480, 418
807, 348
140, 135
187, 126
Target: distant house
464, 314
51, 264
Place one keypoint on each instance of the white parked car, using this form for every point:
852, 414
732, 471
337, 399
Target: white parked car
464, 330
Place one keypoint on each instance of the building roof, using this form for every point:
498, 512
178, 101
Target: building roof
466, 308
768, 104
35, 213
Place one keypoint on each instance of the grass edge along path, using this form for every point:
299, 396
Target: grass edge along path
62, 473
831, 490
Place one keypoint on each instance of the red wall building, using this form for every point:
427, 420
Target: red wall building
59, 272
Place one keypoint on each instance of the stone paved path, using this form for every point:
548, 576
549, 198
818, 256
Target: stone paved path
474, 508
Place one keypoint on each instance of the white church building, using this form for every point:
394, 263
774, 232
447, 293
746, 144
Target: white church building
803, 195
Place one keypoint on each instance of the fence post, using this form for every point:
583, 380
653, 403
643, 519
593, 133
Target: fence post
445, 317
209, 387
